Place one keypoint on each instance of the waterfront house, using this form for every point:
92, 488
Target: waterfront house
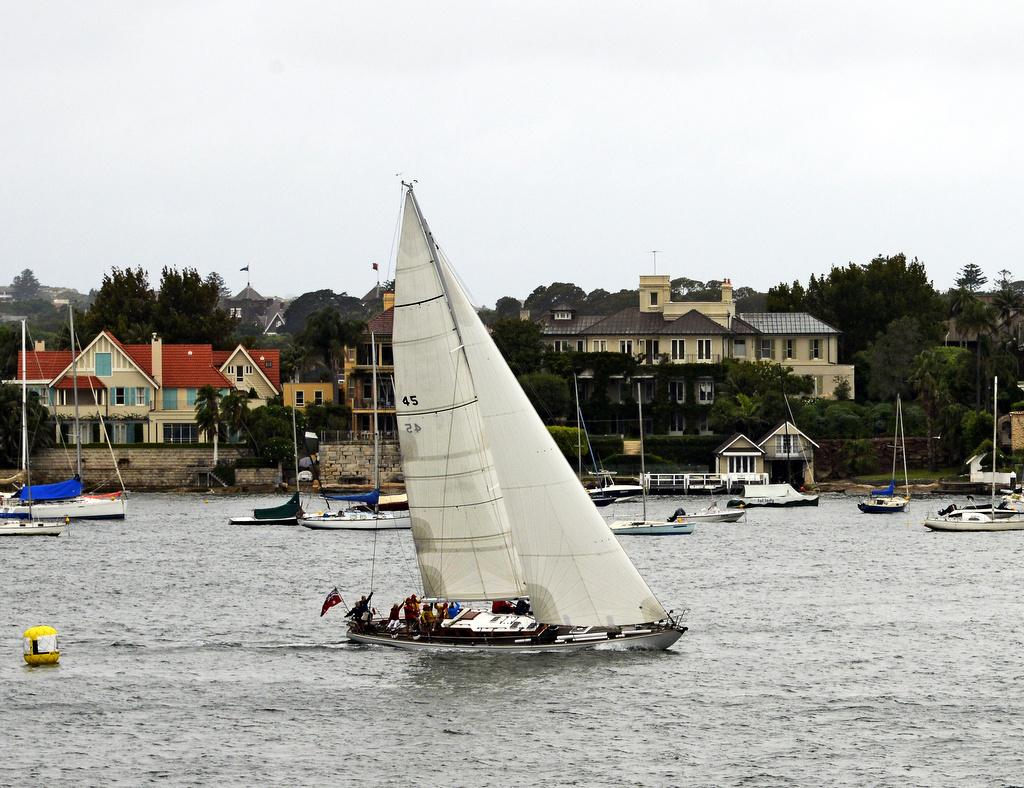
145, 393
662, 331
299, 395
358, 374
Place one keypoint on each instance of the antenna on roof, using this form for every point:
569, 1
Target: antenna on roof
655, 253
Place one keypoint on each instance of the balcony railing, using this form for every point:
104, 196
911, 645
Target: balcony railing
366, 403
688, 358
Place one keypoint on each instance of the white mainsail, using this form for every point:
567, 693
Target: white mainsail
460, 527
574, 568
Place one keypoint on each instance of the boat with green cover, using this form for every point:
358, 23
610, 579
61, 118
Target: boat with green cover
287, 513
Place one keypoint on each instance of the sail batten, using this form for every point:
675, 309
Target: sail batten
459, 525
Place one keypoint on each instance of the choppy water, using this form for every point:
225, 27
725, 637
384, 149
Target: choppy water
826, 647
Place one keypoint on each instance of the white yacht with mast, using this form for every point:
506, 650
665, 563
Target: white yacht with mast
27, 526
497, 512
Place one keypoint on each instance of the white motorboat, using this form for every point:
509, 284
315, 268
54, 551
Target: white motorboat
497, 512
773, 495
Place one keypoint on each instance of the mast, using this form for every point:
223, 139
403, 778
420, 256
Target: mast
376, 439
579, 430
295, 448
903, 445
24, 419
995, 414
74, 378
895, 438
643, 466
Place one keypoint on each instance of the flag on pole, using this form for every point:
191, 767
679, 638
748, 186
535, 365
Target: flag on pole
244, 269
333, 598
376, 267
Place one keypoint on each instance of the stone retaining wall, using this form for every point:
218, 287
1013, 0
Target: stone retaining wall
168, 468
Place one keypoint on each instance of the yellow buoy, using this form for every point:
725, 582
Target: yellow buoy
41, 646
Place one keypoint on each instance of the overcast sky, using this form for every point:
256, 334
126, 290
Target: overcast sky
552, 141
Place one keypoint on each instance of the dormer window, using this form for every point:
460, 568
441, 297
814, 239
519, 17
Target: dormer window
563, 315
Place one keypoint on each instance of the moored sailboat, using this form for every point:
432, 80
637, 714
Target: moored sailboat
886, 500
497, 512
977, 519
643, 526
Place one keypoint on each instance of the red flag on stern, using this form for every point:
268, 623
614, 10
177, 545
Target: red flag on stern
333, 598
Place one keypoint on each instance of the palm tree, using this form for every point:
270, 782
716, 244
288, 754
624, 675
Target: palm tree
234, 409
208, 414
978, 318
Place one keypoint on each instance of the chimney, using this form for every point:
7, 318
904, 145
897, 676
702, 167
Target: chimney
40, 346
524, 314
157, 353
389, 301
726, 291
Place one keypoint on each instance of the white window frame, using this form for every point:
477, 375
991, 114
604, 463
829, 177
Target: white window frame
790, 348
626, 346
599, 345
703, 349
120, 396
769, 344
318, 397
300, 398
815, 348
705, 392
677, 391
678, 349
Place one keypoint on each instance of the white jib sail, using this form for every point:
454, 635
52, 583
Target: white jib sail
463, 542
576, 571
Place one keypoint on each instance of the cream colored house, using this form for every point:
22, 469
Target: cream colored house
784, 453
145, 393
662, 331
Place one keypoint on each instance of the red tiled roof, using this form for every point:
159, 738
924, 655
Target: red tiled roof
191, 366
44, 364
220, 356
265, 356
382, 323
86, 382
141, 355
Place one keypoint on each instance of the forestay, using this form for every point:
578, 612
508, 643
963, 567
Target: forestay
459, 524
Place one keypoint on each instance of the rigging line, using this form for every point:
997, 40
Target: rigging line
24, 372
398, 226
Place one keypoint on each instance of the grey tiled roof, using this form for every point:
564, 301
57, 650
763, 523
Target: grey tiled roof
786, 323
631, 321
563, 328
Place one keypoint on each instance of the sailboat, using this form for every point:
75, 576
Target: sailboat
607, 490
366, 514
989, 519
885, 500
28, 526
65, 499
643, 526
497, 512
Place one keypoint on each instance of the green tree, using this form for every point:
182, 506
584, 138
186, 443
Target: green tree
270, 432
300, 310
25, 286
860, 300
187, 310
971, 278
541, 300
234, 411
890, 359
938, 378
40, 430
327, 333
125, 305
978, 318
549, 395
786, 298
10, 344
521, 343
208, 416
